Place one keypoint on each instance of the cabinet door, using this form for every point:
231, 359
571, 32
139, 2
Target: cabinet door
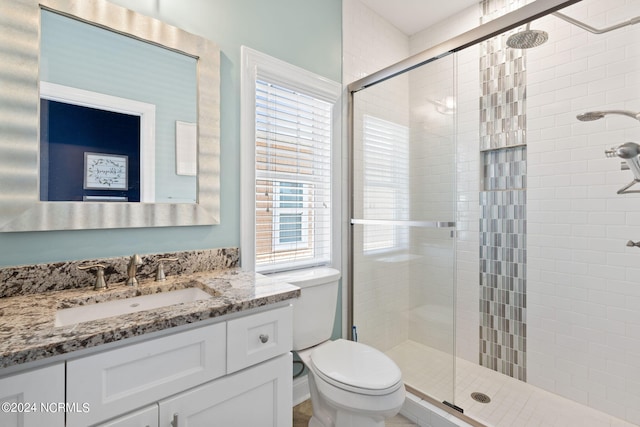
258, 396
146, 417
121, 380
32, 399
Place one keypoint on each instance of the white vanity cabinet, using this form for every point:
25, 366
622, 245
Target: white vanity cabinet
32, 398
235, 372
259, 396
120, 380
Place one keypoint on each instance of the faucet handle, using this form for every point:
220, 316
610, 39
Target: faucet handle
100, 282
160, 271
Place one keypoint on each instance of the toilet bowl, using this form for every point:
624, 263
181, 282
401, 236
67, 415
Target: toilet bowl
354, 385
351, 384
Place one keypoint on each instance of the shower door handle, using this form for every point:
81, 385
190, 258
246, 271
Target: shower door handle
405, 223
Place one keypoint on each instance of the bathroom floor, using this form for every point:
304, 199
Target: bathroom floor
302, 414
513, 403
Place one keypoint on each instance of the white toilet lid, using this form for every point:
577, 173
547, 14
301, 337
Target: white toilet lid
356, 367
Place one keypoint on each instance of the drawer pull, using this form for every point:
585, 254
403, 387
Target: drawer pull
174, 423
264, 338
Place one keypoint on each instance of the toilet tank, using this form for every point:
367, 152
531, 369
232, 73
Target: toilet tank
314, 311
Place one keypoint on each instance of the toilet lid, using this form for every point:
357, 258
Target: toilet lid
357, 367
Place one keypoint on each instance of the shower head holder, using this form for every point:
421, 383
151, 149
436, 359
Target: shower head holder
630, 152
625, 189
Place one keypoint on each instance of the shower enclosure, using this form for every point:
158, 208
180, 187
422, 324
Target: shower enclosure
404, 218
489, 244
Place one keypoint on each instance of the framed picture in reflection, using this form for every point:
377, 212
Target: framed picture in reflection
105, 171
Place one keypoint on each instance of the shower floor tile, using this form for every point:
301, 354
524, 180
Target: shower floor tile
513, 402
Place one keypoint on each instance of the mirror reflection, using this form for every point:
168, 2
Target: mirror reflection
30, 68
114, 127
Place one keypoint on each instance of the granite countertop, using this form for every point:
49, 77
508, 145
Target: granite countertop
28, 333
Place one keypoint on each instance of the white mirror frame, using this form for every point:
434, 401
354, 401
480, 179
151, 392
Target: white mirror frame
20, 205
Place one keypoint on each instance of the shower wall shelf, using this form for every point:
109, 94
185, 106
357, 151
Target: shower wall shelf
484, 150
406, 223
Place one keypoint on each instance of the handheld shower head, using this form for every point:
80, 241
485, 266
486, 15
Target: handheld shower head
596, 115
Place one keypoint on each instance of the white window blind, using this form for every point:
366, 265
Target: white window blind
293, 178
386, 183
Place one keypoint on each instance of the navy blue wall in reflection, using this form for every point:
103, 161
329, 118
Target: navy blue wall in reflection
68, 131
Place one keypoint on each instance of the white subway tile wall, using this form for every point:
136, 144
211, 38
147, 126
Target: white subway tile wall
468, 204
583, 315
432, 107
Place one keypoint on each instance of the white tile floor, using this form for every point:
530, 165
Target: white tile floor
513, 403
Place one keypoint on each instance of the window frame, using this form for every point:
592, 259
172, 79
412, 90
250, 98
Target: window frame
259, 66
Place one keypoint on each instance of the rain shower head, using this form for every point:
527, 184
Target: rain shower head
527, 39
596, 115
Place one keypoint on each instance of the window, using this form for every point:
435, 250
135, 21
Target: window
289, 216
288, 129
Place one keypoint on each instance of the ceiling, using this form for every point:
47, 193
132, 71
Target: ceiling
411, 16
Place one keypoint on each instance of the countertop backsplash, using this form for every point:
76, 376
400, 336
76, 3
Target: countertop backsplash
32, 279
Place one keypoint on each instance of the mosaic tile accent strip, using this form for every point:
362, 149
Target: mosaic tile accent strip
503, 283
503, 305
503, 80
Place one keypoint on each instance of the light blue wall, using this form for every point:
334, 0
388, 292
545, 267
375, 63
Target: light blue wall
306, 33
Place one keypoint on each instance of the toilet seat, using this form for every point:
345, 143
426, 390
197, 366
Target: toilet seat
356, 367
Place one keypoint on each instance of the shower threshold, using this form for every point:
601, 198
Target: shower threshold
513, 402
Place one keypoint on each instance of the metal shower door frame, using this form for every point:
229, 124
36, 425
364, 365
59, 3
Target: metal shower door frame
527, 13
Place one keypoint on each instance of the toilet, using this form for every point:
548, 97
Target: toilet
351, 384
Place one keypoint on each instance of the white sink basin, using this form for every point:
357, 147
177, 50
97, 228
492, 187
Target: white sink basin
102, 310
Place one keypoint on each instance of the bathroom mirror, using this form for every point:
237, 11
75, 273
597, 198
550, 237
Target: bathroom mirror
21, 205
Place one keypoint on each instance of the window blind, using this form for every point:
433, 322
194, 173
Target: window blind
293, 178
386, 182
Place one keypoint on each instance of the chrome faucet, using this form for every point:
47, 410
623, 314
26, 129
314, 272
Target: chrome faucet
132, 269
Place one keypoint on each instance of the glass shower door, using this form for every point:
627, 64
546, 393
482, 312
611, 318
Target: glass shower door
403, 222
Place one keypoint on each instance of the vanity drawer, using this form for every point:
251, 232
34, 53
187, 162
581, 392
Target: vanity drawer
253, 339
120, 380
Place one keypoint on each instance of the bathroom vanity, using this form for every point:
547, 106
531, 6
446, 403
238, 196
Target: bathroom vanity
226, 358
